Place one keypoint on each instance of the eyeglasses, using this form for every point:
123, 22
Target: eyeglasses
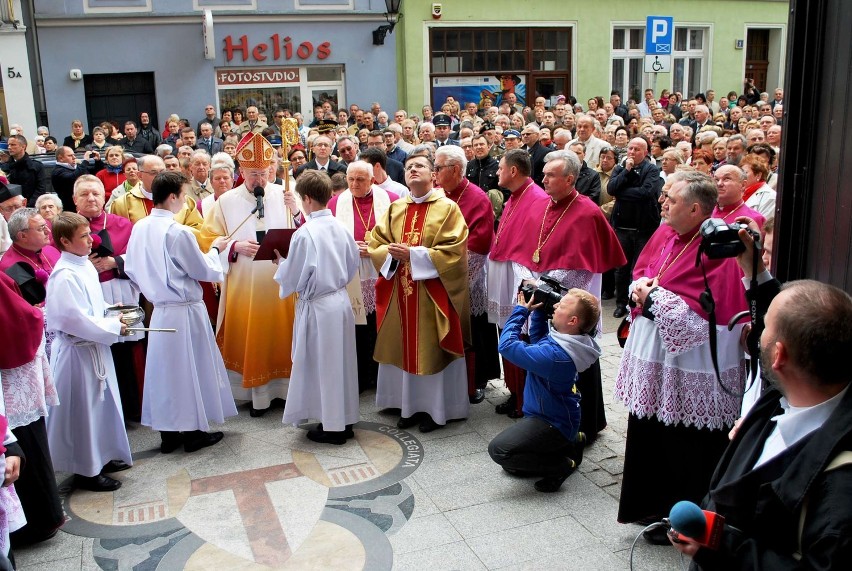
439, 168
42, 228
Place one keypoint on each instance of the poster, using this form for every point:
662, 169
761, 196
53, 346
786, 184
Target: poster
477, 88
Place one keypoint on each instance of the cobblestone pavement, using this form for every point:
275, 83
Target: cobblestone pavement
390, 500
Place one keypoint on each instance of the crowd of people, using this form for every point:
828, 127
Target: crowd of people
423, 251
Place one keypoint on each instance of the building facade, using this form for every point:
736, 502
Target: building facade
546, 48
113, 59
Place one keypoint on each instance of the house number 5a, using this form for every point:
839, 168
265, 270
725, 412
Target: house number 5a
12, 74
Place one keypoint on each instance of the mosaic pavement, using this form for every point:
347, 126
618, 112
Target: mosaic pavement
268, 498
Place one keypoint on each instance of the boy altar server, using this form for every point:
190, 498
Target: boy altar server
86, 431
186, 384
323, 258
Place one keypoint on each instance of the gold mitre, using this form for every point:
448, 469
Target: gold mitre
255, 152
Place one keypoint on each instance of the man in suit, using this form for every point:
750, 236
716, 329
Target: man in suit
199, 170
208, 142
376, 140
321, 151
254, 124
66, 172
209, 117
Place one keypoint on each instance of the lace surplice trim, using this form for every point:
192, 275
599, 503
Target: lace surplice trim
681, 329
476, 283
692, 398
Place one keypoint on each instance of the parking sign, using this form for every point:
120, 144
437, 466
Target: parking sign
659, 35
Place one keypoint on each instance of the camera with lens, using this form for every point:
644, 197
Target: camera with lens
548, 292
721, 240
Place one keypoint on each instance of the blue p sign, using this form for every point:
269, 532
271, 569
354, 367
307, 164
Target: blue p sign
659, 33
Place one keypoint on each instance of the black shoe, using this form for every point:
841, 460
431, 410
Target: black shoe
552, 484
657, 536
349, 433
278, 402
99, 483
515, 414
477, 397
428, 425
620, 311
170, 441
257, 412
405, 423
506, 407
115, 466
327, 437
196, 440
579, 446
607, 295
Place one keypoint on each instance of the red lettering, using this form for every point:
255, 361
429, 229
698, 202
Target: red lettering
323, 50
288, 48
230, 47
258, 52
305, 50
276, 47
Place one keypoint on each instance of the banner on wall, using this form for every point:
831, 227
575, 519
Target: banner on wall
479, 89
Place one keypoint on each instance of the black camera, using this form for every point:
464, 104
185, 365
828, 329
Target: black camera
548, 293
721, 240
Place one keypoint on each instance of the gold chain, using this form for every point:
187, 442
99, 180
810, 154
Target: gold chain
536, 257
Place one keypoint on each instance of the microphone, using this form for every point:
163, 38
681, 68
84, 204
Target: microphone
703, 526
258, 193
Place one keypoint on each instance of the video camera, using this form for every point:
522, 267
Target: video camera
548, 293
721, 240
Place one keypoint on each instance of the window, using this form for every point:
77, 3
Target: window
475, 50
628, 60
689, 56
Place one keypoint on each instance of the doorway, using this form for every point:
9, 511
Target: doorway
120, 97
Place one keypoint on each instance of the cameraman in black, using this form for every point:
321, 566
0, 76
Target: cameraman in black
784, 485
636, 187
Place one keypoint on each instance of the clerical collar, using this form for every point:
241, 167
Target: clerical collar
422, 198
368, 195
730, 207
146, 194
564, 199
98, 217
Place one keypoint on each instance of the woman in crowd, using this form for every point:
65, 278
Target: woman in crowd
758, 194
48, 205
130, 168
702, 160
297, 157
112, 175
77, 139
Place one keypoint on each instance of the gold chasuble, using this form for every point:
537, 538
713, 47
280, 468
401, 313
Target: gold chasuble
255, 328
423, 326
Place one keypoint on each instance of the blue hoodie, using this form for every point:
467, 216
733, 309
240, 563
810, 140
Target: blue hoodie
552, 361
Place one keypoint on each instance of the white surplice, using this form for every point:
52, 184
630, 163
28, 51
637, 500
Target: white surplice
186, 384
87, 429
323, 258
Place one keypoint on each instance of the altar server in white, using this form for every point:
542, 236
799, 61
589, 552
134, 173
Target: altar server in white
186, 384
86, 431
323, 258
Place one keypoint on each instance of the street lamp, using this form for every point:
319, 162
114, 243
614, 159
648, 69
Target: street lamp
392, 15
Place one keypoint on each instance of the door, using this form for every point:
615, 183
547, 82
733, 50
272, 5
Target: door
120, 97
548, 86
757, 57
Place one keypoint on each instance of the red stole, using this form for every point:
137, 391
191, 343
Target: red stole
408, 296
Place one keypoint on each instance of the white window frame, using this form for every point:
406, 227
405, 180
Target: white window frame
626, 55
702, 54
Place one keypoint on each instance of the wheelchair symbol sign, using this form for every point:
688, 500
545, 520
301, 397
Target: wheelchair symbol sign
658, 63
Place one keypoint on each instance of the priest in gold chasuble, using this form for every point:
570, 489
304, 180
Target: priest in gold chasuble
419, 248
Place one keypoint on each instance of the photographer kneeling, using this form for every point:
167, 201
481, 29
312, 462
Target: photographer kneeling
545, 441
784, 485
